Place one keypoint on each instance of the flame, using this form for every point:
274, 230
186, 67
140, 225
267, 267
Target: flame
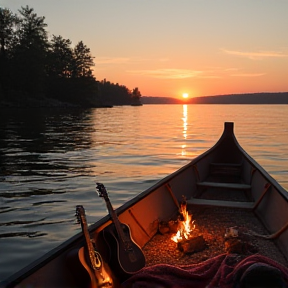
185, 227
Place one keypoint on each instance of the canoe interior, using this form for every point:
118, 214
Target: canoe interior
223, 183
211, 223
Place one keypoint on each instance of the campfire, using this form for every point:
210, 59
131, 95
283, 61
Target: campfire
186, 226
187, 236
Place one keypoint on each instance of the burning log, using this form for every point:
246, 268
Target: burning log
186, 235
185, 224
182, 227
192, 245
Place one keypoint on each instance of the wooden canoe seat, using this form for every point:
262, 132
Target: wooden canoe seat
225, 176
236, 186
220, 203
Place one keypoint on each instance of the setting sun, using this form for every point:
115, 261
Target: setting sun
185, 95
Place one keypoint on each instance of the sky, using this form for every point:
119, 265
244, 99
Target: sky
171, 47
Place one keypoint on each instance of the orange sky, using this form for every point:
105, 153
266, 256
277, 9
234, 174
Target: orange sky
168, 47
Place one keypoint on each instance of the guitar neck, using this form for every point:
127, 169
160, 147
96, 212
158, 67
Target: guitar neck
115, 219
89, 244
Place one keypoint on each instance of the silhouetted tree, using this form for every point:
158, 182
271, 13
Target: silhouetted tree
29, 55
83, 61
7, 26
60, 57
115, 94
34, 65
135, 97
8, 21
69, 73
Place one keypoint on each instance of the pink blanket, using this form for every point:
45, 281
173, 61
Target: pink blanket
222, 271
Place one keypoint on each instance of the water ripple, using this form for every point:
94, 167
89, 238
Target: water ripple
28, 234
50, 160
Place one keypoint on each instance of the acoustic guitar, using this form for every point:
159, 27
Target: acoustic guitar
126, 257
99, 272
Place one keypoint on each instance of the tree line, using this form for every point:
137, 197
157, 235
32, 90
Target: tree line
32, 64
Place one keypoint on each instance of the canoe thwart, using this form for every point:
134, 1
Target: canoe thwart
220, 203
238, 186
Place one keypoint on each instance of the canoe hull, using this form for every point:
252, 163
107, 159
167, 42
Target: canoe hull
160, 202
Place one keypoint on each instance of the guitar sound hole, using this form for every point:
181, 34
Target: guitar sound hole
98, 261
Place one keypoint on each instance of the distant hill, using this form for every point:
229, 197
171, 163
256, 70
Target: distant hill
249, 98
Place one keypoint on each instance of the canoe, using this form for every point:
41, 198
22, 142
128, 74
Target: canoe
224, 177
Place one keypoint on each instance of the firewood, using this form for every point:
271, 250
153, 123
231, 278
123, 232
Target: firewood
192, 245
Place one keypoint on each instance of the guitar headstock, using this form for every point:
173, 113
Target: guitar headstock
80, 213
101, 190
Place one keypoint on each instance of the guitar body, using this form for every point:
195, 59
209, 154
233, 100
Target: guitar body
90, 259
85, 276
83, 261
104, 272
126, 257
124, 261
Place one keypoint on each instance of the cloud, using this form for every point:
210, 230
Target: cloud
210, 77
248, 75
123, 60
256, 55
168, 73
232, 72
173, 73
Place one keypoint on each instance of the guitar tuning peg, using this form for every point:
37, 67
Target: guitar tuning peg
77, 215
98, 188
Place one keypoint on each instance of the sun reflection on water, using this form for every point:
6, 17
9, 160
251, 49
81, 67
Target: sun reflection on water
185, 127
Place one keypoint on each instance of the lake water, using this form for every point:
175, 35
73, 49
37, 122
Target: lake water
51, 159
